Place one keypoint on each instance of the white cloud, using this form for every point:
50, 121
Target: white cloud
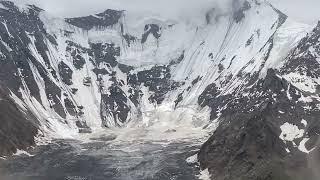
301, 10
69, 8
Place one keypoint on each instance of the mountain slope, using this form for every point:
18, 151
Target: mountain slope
18, 125
250, 75
272, 125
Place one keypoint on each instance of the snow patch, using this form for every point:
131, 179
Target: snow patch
204, 175
2, 7
22, 152
288, 151
302, 146
305, 99
192, 159
304, 122
290, 132
301, 82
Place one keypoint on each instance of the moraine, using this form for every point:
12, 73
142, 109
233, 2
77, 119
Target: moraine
105, 157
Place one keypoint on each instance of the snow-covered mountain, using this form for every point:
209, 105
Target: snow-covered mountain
251, 75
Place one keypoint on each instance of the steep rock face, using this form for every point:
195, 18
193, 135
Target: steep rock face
18, 125
18, 74
15, 30
251, 137
67, 77
268, 130
157, 79
107, 18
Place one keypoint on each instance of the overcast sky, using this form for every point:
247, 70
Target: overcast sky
302, 10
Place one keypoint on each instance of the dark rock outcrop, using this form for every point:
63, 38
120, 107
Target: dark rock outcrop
18, 126
65, 73
153, 29
246, 145
101, 20
239, 10
157, 79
